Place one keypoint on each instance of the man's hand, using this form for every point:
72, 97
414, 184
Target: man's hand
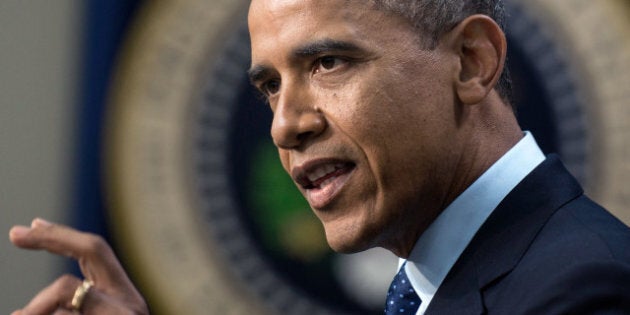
112, 293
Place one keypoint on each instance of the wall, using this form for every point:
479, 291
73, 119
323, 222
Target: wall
39, 57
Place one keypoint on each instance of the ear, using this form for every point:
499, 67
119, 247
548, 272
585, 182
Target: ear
481, 46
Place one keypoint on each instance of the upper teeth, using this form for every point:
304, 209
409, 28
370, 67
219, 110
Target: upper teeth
321, 172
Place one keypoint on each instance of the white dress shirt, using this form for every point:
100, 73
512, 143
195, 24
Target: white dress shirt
437, 249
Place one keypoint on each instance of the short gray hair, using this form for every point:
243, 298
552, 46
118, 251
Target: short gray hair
433, 18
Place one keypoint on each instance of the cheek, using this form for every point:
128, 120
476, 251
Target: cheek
395, 124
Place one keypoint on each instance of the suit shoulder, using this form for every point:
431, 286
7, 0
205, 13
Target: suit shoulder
563, 281
594, 287
588, 228
579, 258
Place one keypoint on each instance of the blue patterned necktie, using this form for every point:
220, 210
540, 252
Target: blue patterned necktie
401, 297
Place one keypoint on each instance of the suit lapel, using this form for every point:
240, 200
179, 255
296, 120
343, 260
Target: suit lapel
504, 238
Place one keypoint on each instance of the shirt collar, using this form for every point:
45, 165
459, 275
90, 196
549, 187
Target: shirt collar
443, 242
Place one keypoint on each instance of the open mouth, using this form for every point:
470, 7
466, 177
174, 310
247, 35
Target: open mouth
322, 174
323, 180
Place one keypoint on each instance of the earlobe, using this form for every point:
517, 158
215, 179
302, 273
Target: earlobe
481, 47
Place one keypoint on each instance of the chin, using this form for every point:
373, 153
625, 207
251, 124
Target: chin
348, 241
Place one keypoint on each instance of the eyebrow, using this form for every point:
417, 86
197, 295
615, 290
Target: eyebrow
259, 72
322, 46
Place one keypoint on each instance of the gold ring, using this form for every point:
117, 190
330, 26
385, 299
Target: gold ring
79, 294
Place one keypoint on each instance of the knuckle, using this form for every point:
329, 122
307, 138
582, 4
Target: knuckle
141, 308
95, 244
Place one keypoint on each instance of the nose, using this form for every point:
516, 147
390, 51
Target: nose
296, 120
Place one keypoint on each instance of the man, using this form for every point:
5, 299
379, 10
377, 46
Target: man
393, 119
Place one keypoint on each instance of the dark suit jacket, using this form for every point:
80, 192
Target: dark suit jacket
546, 249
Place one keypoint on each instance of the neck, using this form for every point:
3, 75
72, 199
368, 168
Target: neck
488, 131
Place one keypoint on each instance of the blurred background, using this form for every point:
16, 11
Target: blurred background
134, 120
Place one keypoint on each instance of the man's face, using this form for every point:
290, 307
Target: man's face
364, 118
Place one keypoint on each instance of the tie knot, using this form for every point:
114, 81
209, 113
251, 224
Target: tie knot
401, 297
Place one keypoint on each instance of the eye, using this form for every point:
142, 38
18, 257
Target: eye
270, 87
328, 63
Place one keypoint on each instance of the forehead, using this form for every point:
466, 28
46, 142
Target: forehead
274, 9
288, 17
281, 25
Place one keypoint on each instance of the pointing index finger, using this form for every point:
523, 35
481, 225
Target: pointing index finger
57, 239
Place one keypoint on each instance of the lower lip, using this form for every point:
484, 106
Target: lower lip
320, 197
